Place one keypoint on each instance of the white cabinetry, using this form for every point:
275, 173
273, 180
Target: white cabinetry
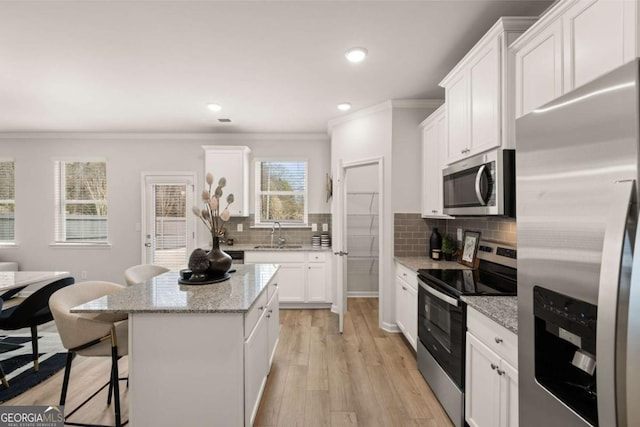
407, 303
573, 43
434, 144
479, 93
303, 278
231, 162
491, 398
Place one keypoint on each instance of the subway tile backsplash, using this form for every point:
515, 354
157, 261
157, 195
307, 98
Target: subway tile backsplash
412, 232
260, 236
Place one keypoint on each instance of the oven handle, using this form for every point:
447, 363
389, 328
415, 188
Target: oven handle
440, 295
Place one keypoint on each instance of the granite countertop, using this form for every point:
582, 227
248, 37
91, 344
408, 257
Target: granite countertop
163, 294
288, 247
416, 262
502, 310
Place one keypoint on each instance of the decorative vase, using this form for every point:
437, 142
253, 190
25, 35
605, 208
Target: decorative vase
435, 241
219, 261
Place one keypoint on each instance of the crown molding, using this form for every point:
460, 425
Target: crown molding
211, 137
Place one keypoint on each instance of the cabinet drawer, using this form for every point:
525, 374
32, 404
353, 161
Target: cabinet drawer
493, 335
408, 275
273, 257
317, 257
254, 313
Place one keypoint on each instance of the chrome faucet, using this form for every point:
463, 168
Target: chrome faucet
281, 240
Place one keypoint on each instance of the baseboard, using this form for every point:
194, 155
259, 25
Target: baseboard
362, 294
390, 327
334, 308
304, 305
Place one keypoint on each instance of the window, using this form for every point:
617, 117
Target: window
7, 201
281, 192
81, 201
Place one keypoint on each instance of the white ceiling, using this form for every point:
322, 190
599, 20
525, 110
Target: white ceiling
276, 66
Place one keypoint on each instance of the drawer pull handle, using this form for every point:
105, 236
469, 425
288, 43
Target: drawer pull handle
268, 316
498, 340
261, 307
404, 289
494, 367
500, 372
270, 311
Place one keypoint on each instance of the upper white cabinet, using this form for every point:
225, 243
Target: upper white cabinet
479, 93
572, 44
231, 162
434, 142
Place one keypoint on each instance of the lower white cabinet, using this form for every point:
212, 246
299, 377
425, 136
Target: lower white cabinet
304, 277
259, 349
491, 382
407, 303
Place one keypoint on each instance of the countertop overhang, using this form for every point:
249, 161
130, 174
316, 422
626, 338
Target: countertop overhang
163, 294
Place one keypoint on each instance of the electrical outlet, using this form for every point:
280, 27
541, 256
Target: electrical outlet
239, 228
314, 227
460, 234
325, 227
83, 275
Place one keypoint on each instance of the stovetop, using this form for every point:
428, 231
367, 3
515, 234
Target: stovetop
490, 278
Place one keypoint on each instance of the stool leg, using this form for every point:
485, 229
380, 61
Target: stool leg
110, 387
5, 383
116, 387
65, 382
34, 347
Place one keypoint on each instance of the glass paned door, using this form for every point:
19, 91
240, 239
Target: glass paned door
168, 234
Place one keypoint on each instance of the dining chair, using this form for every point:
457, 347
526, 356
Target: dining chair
140, 273
31, 312
102, 335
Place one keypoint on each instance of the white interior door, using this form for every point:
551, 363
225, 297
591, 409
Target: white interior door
168, 226
341, 249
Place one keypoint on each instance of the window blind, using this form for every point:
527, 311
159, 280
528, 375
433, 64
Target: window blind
7, 201
81, 201
281, 193
170, 227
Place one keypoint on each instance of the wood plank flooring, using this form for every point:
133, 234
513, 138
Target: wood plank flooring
364, 377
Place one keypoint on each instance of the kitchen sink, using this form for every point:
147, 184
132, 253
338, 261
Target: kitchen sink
278, 247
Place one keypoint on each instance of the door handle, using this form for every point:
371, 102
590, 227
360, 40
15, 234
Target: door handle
613, 293
478, 190
148, 244
341, 253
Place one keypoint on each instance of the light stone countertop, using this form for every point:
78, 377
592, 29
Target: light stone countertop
502, 310
163, 294
416, 262
251, 247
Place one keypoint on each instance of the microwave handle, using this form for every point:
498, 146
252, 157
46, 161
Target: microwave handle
479, 175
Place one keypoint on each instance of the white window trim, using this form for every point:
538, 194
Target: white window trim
256, 194
58, 185
11, 243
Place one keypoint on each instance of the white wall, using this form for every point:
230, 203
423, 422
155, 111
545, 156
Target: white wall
127, 156
372, 133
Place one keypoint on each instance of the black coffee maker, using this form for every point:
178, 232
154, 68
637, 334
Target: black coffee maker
565, 350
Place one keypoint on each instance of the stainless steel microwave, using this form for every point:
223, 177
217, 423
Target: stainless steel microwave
481, 185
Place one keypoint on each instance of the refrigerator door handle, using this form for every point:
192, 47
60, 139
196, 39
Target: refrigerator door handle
615, 273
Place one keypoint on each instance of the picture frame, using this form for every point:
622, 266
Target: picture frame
470, 243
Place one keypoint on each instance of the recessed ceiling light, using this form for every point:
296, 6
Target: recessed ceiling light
345, 106
214, 107
357, 54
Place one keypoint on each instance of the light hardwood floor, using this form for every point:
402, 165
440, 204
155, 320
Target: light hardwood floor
365, 377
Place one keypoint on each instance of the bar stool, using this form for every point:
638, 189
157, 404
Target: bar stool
140, 273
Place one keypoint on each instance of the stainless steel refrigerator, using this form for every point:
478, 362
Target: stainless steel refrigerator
578, 279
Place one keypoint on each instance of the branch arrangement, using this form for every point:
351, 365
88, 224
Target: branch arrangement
210, 215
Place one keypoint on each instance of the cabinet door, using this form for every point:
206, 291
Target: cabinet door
539, 70
412, 316
508, 395
401, 297
482, 385
484, 89
316, 282
594, 39
291, 281
232, 163
273, 326
457, 95
255, 369
432, 147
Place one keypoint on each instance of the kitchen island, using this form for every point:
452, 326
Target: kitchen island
198, 355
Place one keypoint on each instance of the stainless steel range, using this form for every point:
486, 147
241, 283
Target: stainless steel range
442, 319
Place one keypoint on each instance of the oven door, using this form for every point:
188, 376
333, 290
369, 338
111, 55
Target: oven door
441, 329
